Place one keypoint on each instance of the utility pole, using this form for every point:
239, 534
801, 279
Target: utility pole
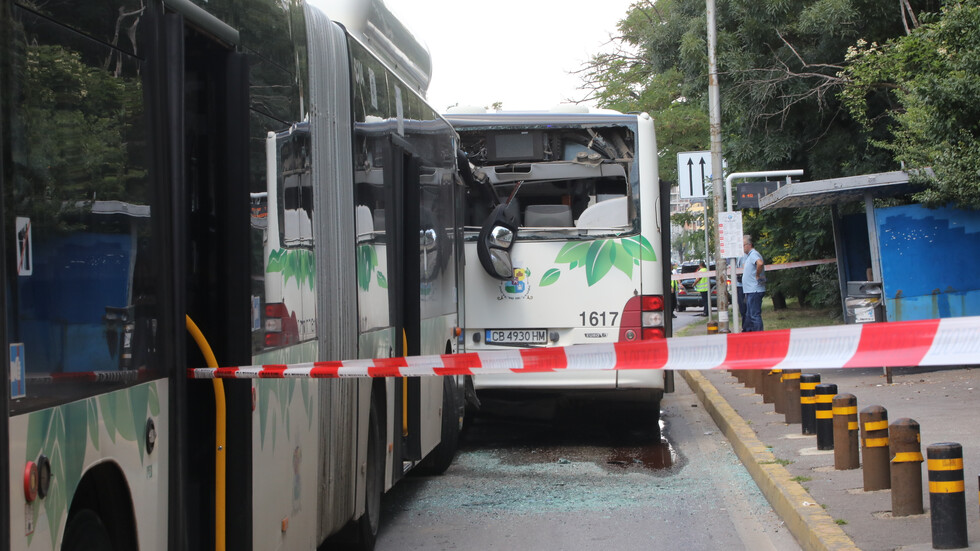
714, 114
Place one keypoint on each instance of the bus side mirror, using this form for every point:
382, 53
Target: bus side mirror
497, 236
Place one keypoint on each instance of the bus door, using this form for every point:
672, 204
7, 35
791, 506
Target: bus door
206, 84
402, 189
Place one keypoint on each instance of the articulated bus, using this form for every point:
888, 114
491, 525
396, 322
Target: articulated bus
245, 177
581, 192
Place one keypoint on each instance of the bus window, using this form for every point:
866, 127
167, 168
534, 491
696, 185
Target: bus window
82, 302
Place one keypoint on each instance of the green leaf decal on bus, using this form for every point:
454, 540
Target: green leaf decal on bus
93, 422
550, 277
382, 281
573, 252
599, 257
623, 260
599, 260
290, 263
639, 247
64, 434
367, 261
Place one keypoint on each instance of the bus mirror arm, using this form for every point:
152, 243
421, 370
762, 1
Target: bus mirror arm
496, 239
483, 188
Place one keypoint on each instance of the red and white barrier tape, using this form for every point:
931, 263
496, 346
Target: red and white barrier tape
951, 341
768, 268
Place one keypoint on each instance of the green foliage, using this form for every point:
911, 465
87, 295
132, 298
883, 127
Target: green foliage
82, 127
824, 287
929, 84
787, 235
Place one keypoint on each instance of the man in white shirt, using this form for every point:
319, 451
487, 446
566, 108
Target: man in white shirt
753, 285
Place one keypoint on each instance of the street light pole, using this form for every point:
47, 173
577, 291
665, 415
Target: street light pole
714, 108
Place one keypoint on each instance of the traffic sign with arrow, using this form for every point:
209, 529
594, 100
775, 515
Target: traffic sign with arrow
693, 173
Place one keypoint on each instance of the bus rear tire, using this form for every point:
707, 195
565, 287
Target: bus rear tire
441, 457
86, 532
369, 524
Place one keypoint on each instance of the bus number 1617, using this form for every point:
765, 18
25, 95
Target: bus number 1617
598, 319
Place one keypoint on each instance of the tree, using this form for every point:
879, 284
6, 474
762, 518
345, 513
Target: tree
781, 70
79, 134
928, 85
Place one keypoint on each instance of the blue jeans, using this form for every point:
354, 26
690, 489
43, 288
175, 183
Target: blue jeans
753, 312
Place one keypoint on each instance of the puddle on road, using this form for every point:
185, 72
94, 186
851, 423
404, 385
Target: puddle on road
655, 457
613, 438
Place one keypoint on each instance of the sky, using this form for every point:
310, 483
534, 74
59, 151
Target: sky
518, 52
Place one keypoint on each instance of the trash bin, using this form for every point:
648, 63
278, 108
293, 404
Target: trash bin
863, 303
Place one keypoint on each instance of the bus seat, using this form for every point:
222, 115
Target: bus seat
605, 214
548, 216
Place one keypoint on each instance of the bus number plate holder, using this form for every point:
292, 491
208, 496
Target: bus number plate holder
517, 336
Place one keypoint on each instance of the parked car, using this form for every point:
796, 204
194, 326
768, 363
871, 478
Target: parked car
687, 296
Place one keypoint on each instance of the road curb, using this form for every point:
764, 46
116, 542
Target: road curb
813, 528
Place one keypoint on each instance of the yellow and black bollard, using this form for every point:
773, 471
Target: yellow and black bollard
778, 396
906, 471
737, 373
823, 412
768, 387
846, 448
808, 402
874, 448
756, 379
791, 391
947, 501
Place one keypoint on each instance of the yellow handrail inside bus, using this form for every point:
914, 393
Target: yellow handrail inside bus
219, 437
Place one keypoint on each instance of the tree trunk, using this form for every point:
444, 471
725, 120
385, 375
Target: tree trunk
778, 300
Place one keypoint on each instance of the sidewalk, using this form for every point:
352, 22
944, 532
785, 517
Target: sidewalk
826, 508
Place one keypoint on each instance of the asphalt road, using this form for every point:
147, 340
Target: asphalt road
546, 475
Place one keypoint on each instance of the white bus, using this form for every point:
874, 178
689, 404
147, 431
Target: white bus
273, 176
582, 194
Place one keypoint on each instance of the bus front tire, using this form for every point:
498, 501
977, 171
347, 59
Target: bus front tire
86, 532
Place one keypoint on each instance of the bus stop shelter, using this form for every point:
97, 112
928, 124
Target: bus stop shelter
896, 263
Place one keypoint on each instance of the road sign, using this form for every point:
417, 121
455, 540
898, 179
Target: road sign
730, 229
750, 192
693, 171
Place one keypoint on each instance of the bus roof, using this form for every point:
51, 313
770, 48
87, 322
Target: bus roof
462, 120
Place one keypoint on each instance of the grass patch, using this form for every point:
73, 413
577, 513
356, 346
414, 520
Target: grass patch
788, 318
801, 479
794, 316
840, 521
782, 462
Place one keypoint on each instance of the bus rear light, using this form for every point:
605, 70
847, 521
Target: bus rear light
651, 302
652, 319
273, 339
280, 326
650, 333
643, 317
